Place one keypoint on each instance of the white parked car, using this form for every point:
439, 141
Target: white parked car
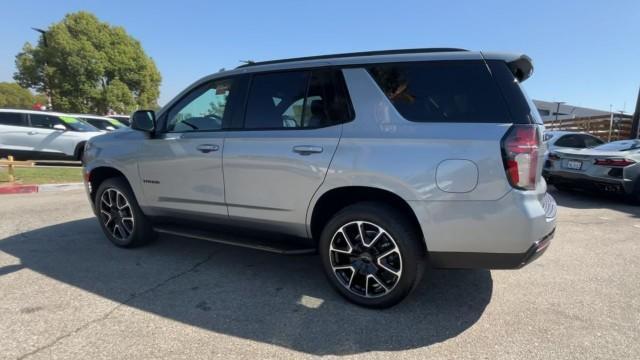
122, 118
559, 140
38, 135
570, 139
101, 122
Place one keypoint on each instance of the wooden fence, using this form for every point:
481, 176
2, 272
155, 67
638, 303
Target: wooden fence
10, 163
599, 126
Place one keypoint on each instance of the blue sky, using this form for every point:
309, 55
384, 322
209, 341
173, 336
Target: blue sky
586, 53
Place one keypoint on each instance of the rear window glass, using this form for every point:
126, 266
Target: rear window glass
451, 91
571, 141
519, 104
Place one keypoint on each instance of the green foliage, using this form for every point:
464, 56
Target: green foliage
14, 96
90, 67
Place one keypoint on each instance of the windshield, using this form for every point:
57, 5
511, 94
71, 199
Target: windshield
105, 123
77, 124
621, 145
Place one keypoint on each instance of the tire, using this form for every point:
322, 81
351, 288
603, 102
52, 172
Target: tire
635, 196
370, 278
119, 215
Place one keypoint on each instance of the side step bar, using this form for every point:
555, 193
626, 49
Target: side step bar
278, 247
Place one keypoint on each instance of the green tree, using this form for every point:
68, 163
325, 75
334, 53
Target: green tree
89, 66
14, 96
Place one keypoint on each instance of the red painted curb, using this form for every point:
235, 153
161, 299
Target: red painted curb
18, 189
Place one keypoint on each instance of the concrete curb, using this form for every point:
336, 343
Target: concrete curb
18, 189
27, 189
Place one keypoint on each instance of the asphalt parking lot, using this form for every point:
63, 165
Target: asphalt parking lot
65, 292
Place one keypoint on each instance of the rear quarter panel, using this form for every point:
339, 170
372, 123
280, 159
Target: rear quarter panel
381, 149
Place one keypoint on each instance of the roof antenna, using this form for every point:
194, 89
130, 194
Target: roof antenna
247, 62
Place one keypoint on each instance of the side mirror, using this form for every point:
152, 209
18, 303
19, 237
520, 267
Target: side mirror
144, 120
59, 127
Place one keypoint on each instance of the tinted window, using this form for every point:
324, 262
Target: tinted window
103, 124
591, 141
327, 102
276, 100
519, 105
204, 109
451, 91
572, 141
45, 121
15, 119
76, 124
299, 99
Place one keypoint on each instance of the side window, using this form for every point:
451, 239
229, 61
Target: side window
297, 99
45, 121
442, 91
13, 119
327, 102
590, 141
276, 100
204, 109
571, 141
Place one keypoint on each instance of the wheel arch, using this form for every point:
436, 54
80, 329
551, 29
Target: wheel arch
333, 200
99, 174
77, 152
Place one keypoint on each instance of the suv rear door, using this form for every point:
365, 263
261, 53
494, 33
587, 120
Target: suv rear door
279, 156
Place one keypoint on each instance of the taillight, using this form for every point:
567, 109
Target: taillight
614, 162
520, 147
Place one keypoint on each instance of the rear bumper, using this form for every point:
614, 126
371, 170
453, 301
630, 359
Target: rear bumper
458, 260
586, 181
503, 234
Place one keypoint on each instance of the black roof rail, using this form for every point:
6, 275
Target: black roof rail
353, 54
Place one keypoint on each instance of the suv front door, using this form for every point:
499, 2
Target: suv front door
181, 166
49, 136
275, 163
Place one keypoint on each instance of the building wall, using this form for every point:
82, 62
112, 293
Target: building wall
547, 110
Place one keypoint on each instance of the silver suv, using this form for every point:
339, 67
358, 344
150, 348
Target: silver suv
385, 163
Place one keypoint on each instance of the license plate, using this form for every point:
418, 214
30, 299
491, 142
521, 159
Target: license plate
574, 164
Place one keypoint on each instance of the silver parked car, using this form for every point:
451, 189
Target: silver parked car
612, 167
383, 162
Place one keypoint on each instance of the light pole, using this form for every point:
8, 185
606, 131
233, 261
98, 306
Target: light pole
558, 103
47, 90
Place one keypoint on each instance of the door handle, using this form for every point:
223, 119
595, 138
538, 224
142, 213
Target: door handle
307, 149
32, 133
207, 148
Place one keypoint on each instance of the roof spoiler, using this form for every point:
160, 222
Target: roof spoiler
521, 65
